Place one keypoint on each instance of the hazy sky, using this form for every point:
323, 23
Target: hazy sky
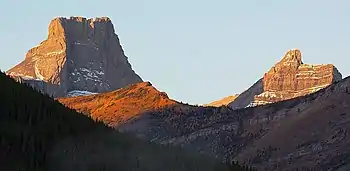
195, 50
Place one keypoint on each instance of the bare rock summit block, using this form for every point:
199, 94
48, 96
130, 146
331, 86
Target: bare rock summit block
287, 79
79, 54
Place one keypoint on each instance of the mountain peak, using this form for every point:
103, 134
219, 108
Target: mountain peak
81, 19
293, 55
289, 78
62, 26
79, 54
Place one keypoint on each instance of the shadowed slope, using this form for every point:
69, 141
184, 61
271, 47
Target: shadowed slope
313, 135
308, 132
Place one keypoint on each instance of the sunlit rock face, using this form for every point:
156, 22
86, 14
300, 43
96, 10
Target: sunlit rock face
79, 54
287, 79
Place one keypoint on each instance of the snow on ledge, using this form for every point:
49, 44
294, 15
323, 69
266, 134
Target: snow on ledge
75, 93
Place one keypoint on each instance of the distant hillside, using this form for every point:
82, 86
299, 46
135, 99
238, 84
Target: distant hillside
121, 105
222, 102
305, 133
39, 134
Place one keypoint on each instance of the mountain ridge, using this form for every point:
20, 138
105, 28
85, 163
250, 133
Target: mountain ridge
120, 105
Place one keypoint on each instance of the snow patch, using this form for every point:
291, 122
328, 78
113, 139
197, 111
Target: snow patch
257, 103
85, 44
24, 77
268, 94
54, 53
93, 73
99, 72
316, 88
87, 74
75, 93
37, 72
78, 43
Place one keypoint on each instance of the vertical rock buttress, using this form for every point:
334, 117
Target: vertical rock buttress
78, 54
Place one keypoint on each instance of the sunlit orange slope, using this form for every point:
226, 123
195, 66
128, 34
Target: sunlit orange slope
120, 105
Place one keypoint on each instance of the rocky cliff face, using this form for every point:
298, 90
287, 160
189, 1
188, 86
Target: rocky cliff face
288, 79
79, 54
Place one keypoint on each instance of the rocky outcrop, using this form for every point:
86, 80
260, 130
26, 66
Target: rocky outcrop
222, 102
79, 54
288, 79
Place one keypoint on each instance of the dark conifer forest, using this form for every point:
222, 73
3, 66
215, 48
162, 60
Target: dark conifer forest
39, 134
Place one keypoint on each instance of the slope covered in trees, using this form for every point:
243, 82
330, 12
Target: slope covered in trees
38, 133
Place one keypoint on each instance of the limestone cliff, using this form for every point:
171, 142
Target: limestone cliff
79, 54
289, 78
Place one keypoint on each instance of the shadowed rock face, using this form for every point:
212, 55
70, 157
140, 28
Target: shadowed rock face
245, 98
79, 54
288, 79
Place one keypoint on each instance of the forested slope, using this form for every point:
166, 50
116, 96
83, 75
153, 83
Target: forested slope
38, 133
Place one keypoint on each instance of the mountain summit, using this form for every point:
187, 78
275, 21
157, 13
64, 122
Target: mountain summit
287, 79
79, 54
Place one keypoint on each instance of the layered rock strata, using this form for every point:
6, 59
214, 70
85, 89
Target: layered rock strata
79, 54
287, 79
